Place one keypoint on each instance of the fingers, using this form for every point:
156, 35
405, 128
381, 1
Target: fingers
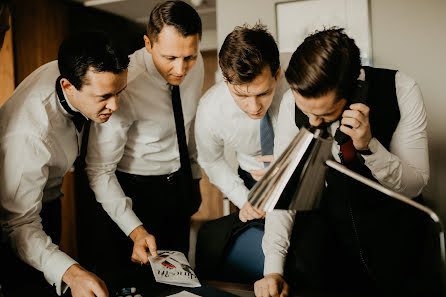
355, 123
258, 174
86, 284
265, 158
242, 216
247, 212
257, 288
267, 287
364, 109
285, 290
99, 289
273, 290
151, 243
139, 254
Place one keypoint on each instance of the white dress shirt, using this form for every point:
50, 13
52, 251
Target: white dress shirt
220, 122
403, 169
140, 138
38, 145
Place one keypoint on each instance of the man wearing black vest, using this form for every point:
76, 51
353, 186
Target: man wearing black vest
357, 238
41, 129
142, 165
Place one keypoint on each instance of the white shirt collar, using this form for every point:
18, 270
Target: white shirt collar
71, 106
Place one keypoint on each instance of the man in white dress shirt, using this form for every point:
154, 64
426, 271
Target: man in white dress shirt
358, 238
41, 127
231, 114
135, 162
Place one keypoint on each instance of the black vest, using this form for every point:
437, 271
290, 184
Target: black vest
384, 117
365, 223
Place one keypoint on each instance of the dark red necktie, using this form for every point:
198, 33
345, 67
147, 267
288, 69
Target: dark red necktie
347, 151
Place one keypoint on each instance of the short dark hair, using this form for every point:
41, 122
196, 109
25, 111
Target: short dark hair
326, 60
246, 52
178, 14
89, 49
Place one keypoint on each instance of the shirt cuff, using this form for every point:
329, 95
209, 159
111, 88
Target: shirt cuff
274, 264
128, 222
196, 171
55, 268
239, 196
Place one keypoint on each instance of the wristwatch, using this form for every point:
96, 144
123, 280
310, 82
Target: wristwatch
372, 148
365, 152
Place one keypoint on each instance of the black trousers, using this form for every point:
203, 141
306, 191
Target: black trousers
18, 278
159, 203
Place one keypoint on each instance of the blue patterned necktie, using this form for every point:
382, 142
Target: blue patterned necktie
266, 137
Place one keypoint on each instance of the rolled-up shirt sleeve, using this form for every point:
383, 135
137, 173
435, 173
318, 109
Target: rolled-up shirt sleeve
24, 170
105, 149
276, 241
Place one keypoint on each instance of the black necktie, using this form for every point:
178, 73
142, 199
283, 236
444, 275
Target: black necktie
77, 118
181, 137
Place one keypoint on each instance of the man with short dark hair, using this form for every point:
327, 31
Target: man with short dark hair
142, 165
238, 113
41, 128
358, 239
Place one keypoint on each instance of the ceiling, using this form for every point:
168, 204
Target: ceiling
139, 10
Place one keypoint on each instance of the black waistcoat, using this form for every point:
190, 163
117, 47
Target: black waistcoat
362, 223
384, 117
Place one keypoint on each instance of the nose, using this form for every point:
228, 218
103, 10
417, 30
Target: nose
253, 105
180, 67
315, 120
112, 103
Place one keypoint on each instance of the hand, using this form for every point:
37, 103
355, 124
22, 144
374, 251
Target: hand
247, 212
142, 241
271, 285
84, 283
357, 117
257, 174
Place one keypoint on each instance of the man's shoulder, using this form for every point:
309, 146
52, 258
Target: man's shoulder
136, 66
213, 100
31, 101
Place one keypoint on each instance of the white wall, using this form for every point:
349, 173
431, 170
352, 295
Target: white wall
409, 35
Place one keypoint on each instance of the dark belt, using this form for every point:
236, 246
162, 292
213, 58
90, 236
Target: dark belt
170, 178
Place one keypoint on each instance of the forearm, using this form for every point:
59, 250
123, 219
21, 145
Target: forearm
276, 240
33, 246
223, 176
397, 174
109, 193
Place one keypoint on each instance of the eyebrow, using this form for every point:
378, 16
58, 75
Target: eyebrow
173, 56
244, 95
109, 94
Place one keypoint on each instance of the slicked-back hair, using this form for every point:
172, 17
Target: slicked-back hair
246, 52
326, 60
80, 52
178, 14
